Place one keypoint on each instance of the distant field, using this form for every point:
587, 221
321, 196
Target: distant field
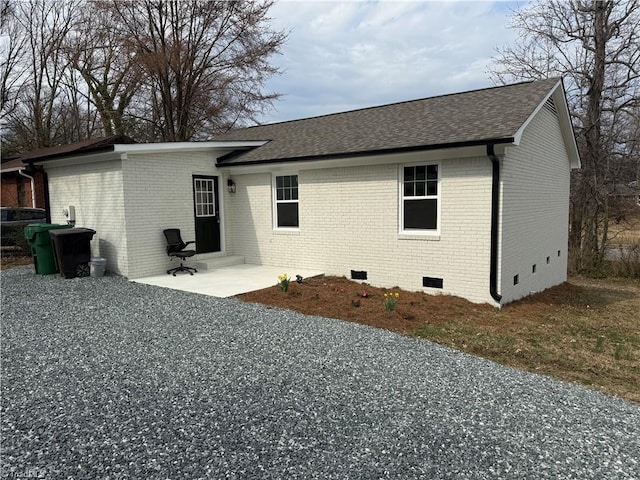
625, 232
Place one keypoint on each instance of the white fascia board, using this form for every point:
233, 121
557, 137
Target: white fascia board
358, 161
182, 146
518, 135
120, 151
12, 169
566, 127
79, 159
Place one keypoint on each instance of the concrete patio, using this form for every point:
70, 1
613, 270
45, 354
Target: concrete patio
227, 281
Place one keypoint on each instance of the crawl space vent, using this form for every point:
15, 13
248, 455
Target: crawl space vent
358, 275
432, 282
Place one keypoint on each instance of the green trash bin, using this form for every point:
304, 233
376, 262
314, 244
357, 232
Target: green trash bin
39, 240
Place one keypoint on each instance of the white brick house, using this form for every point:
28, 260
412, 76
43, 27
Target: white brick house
463, 194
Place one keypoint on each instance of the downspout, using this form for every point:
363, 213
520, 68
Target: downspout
45, 188
33, 186
495, 222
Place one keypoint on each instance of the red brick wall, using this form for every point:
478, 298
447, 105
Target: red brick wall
39, 180
10, 190
16, 190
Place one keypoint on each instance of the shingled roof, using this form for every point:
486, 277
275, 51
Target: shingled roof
490, 115
86, 146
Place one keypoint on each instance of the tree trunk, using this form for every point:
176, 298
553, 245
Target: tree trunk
590, 191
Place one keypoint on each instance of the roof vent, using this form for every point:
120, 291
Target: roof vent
551, 106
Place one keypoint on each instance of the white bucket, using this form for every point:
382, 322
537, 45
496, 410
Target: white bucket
96, 266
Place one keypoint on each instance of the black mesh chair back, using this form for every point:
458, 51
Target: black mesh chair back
176, 248
174, 240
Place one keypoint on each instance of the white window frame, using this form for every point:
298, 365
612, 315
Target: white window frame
209, 206
275, 201
402, 198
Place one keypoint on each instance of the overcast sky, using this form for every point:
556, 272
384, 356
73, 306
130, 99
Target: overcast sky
342, 55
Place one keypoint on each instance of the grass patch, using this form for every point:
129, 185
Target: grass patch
626, 231
585, 331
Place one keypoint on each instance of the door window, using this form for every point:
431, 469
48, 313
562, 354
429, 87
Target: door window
205, 199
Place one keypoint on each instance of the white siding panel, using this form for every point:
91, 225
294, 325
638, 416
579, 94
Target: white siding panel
95, 190
535, 210
349, 220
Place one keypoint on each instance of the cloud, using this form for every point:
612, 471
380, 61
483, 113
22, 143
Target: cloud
352, 54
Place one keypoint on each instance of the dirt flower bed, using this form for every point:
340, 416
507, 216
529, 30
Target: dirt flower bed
11, 257
585, 331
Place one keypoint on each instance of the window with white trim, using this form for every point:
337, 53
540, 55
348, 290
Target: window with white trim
286, 201
205, 201
420, 197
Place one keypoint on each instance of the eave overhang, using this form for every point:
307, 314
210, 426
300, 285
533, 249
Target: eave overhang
557, 93
318, 161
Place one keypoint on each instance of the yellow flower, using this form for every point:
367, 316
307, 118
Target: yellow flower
397, 294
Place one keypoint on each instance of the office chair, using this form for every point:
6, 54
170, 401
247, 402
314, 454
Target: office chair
176, 248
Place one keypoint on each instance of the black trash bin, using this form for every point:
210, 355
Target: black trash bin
72, 248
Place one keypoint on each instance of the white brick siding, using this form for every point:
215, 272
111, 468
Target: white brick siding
349, 216
130, 202
349, 220
95, 190
535, 210
158, 195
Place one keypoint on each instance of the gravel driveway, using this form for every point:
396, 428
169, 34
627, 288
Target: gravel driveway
107, 379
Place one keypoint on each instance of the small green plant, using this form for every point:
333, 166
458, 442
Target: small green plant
622, 352
599, 345
283, 282
390, 301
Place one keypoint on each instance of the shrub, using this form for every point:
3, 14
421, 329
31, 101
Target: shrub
630, 260
627, 263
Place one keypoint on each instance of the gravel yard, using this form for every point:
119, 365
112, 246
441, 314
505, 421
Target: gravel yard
108, 379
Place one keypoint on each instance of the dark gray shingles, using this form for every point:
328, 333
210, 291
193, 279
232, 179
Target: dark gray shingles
75, 148
487, 114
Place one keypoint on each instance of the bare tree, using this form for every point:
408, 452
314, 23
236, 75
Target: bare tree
205, 61
79, 119
595, 46
112, 77
36, 121
152, 69
12, 55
